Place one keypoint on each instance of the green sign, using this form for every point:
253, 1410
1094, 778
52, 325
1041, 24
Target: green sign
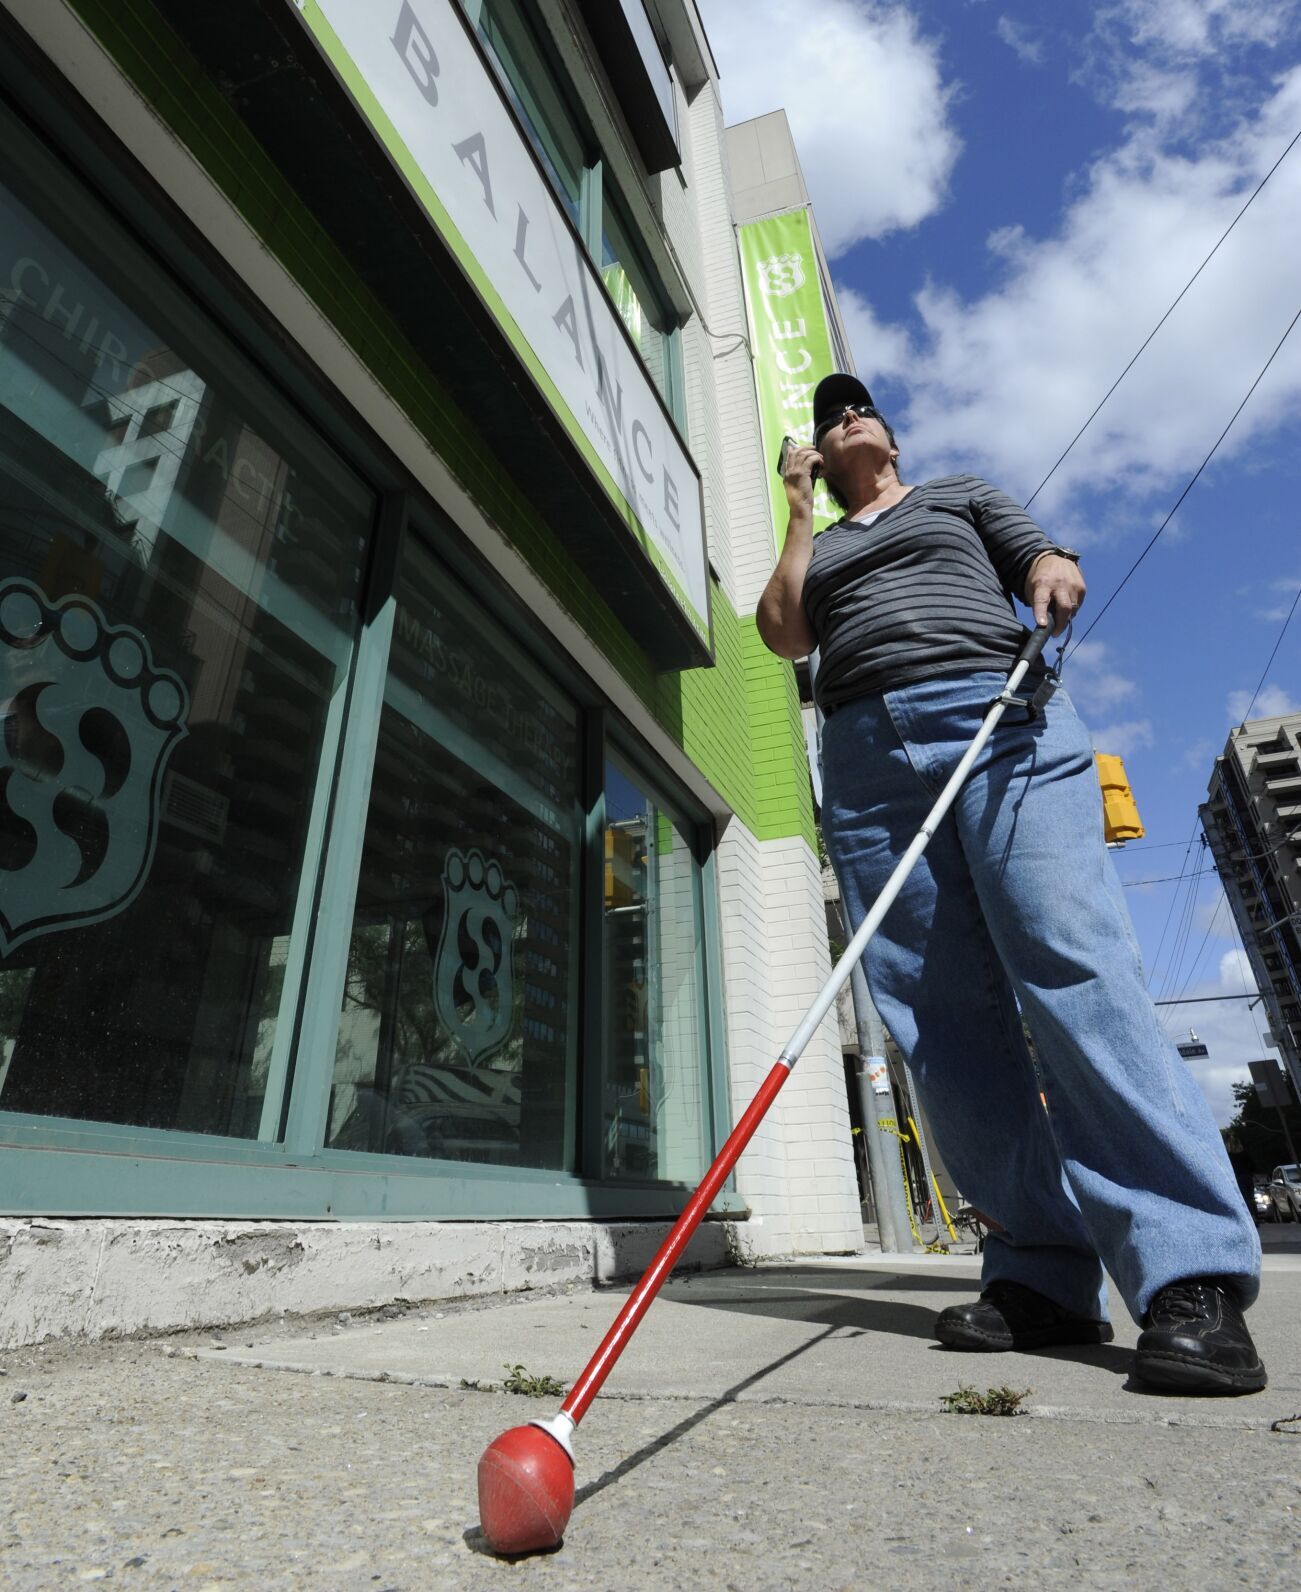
418, 76
792, 344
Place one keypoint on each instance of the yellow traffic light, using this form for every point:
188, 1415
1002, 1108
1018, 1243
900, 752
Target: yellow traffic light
1119, 810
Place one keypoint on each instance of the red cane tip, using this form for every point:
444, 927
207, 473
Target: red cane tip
526, 1491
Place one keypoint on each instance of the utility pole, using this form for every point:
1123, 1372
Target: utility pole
876, 1100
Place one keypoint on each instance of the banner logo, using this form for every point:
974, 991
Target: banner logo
780, 275
474, 969
89, 724
791, 334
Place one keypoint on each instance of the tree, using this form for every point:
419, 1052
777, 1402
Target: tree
1257, 1125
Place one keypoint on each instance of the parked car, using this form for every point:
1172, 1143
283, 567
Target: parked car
1285, 1192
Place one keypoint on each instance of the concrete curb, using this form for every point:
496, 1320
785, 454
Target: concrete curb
96, 1279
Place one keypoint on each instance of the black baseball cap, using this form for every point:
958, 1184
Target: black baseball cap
834, 393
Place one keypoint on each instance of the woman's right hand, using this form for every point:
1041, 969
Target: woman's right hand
800, 474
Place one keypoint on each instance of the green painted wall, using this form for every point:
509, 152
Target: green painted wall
739, 721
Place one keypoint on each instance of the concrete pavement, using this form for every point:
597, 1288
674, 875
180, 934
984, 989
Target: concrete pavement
768, 1428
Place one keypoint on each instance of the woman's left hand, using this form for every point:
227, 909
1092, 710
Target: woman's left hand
1054, 583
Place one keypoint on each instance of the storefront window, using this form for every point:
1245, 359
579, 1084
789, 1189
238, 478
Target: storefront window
180, 562
655, 1104
459, 1033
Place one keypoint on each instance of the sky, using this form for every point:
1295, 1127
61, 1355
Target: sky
1011, 195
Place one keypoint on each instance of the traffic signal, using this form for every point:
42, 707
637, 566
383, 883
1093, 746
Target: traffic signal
1119, 810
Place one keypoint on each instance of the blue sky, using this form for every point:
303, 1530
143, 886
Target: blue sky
1012, 194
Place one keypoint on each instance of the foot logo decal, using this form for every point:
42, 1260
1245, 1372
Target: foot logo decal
87, 724
474, 970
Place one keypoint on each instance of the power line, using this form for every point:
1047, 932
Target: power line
1163, 320
1192, 483
1169, 845
1169, 878
1272, 656
1170, 910
1170, 981
1153, 845
1199, 1000
1201, 949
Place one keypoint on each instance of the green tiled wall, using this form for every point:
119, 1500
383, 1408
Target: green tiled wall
783, 799
739, 721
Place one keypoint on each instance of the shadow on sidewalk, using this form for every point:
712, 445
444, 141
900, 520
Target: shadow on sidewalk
626, 1466
1110, 1357
474, 1538
866, 1314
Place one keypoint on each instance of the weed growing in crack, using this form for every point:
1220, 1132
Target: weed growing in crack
994, 1401
518, 1380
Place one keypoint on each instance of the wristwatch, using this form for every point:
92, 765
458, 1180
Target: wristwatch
1061, 552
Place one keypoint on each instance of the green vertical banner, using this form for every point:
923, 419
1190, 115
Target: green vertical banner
792, 344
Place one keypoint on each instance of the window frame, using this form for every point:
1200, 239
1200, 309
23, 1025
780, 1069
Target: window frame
698, 831
230, 363
120, 1170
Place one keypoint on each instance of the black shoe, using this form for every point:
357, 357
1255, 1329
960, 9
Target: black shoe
1010, 1316
1195, 1341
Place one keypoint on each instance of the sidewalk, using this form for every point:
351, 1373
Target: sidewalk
770, 1428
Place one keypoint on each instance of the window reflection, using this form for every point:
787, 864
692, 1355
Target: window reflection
640, 306
181, 561
459, 1032
655, 1108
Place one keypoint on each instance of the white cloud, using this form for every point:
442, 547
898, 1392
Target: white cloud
1213, 914
1002, 382
1235, 973
1120, 740
1289, 585
1095, 684
1216, 1081
1018, 39
1154, 59
866, 98
889, 347
1231, 1032
1271, 702
1193, 28
1200, 755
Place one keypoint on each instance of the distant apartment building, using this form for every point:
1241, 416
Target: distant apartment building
1252, 820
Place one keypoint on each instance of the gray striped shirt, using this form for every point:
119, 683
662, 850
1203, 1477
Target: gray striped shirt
924, 590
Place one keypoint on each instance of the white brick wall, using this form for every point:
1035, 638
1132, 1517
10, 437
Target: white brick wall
798, 1173
753, 547
814, 1104
690, 216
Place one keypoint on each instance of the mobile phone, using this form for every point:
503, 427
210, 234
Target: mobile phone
787, 444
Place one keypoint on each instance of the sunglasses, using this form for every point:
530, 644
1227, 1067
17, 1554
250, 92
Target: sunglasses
863, 411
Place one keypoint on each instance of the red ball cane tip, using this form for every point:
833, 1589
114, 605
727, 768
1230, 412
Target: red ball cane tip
526, 1491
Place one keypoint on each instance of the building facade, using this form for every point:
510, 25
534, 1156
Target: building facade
407, 868
1252, 822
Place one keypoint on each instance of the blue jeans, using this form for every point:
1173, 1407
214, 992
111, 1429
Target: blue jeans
1015, 903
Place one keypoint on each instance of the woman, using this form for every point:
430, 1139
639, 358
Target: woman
1013, 910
